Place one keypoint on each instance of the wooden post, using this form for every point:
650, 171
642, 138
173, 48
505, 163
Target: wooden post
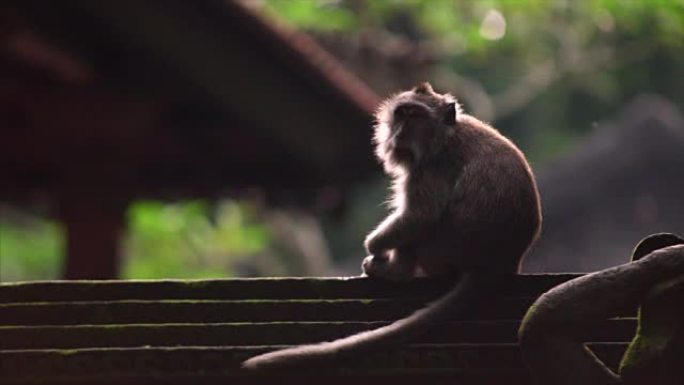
93, 229
92, 206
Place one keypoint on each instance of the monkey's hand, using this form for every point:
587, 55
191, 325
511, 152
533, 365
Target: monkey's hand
392, 269
373, 266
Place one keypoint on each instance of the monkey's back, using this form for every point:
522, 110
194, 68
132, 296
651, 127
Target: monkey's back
496, 212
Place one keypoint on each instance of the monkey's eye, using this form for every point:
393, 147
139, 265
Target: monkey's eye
406, 110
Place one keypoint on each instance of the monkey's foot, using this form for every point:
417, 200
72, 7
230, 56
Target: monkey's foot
379, 267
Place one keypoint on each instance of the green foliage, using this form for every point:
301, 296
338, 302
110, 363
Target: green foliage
30, 248
550, 69
443, 19
318, 15
190, 239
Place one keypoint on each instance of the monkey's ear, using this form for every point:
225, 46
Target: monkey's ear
449, 117
423, 88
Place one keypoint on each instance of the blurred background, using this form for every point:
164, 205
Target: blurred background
219, 138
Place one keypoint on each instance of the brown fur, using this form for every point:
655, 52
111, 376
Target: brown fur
464, 201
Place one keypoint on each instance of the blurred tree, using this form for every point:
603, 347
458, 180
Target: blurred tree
544, 71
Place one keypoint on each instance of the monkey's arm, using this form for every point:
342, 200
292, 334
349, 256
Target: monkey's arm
421, 211
549, 336
396, 230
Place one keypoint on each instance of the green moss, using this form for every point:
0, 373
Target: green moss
67, 352
529, 314
660, 324
196, 283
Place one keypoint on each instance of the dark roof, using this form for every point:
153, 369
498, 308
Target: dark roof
176, 99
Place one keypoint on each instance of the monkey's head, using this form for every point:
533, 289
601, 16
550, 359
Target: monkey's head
413, 126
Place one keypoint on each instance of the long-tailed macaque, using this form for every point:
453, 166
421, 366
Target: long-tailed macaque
465, 204
550, 333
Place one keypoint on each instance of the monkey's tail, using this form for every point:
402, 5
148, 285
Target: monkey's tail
462, 295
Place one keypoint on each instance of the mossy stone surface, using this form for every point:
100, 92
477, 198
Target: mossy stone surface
656, 354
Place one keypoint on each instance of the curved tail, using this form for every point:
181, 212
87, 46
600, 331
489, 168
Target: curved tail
459, 297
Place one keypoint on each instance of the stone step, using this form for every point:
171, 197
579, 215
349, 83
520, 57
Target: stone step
156, 362
273, 288
405, 377
189, 332
213, 311
241, 334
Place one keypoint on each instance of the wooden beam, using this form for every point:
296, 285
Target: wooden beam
93, 239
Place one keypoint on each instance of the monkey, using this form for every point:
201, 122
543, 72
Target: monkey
654, 280
464, 202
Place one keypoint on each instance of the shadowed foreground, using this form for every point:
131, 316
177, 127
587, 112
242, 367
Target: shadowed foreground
200, 331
